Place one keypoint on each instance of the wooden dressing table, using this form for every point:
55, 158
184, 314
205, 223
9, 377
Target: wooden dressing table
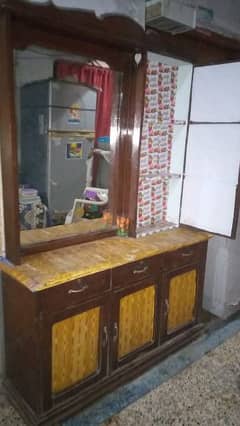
85, 313
84, 319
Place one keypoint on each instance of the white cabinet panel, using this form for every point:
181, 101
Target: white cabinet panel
208, 204
216, 93
213, 152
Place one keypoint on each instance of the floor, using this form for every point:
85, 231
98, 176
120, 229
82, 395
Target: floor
177, 392
206, 393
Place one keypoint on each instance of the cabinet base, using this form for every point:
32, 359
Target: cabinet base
72, 406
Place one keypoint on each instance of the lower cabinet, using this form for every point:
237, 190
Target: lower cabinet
181, 288
78, 344
76, 341
134, 321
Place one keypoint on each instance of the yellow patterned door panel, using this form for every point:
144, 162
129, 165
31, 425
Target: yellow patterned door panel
75, 349
136, 320
182, 300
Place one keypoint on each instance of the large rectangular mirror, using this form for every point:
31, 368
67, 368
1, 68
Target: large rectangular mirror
68, 110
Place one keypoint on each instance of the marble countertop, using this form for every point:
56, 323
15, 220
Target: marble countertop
47, 269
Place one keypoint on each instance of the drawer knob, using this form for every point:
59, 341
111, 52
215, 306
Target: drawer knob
140, 271
79, 290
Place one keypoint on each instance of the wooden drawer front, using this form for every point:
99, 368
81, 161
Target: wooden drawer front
74, 292
182, 300
181, 257
132, 272
136, 320
75, 349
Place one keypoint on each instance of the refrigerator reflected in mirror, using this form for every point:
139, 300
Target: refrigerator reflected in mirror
64, 111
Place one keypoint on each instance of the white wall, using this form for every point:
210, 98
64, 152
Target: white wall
133, 8
222, 279
222, 16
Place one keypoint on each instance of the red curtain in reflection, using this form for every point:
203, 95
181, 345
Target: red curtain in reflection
98, 77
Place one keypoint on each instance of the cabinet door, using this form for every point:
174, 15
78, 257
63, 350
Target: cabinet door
211, 190
135, 321
79, 344
181, 299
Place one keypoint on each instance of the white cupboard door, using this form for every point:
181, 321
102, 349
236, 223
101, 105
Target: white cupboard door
211, 184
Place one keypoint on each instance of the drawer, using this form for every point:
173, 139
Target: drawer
74, 292
136, 271
182, 257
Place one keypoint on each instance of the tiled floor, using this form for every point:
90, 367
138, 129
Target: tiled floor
205, 393
8, 416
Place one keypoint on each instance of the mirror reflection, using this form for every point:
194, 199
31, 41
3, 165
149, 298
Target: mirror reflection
64, 110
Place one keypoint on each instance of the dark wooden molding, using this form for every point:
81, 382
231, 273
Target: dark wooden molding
136, 120
25, 34
215, 39
117, 111
197, 47
8, 143
67, 241
129, 147
112, 30
124, 145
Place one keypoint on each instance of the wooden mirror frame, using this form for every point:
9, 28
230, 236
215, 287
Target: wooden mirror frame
111, 39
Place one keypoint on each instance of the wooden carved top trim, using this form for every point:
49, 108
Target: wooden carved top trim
198, 47
112, 30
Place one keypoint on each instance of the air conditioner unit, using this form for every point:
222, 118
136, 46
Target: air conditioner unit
170, 15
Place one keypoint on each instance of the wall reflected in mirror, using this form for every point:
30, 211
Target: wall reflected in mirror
65, 106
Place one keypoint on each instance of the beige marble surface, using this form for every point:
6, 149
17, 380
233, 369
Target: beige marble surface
51, 268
